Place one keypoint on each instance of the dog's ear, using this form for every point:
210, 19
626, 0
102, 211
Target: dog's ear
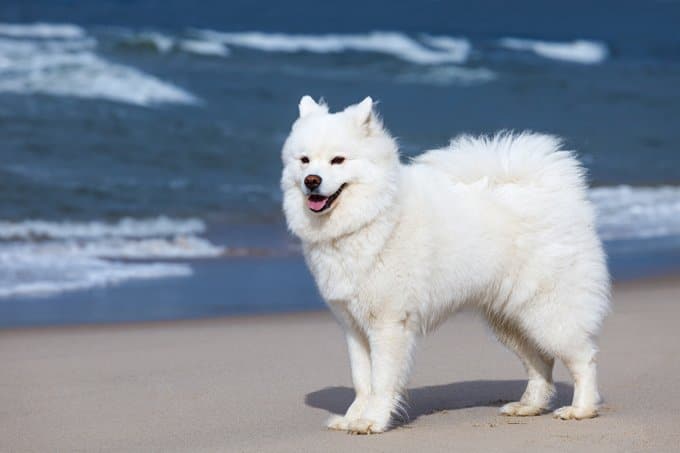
308, 106
362, 113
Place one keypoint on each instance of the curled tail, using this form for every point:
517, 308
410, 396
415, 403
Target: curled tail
525, 159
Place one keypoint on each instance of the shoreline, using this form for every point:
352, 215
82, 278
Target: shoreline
227, 287
267, 383
647, 282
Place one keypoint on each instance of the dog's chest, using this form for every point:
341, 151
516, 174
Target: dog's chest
340, 268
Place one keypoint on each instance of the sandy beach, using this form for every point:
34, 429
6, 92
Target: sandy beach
268, 383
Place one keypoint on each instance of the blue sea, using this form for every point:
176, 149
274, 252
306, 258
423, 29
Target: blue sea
139, 140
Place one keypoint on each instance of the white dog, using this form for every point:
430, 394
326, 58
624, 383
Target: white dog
501, 224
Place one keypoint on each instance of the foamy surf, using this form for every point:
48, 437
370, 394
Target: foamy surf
458, 48
44, 276
63, 59
206, 48
578, 51
448, 75
127, 227
178, 247
60, 60
433, 50
42, 258
625, 212
164, 43
42, 31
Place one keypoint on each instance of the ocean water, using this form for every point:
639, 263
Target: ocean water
140, 140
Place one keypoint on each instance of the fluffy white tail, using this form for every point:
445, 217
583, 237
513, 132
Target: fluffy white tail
524, 159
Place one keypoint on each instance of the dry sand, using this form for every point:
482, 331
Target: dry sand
268, 384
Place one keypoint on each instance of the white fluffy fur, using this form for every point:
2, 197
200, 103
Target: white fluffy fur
500, 224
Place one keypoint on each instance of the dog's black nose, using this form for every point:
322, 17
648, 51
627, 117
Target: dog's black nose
312, 181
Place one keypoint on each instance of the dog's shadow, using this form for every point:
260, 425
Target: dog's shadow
437, 398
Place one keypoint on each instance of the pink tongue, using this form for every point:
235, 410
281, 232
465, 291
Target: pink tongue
316, 205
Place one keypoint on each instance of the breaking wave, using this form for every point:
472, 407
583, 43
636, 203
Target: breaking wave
127, 227
68, 65
163, 43
448, 75
626, 212
63, 59
579, 51
39, 257
432, 50
42, 31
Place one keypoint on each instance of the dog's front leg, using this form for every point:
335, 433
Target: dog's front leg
391, 345
360, 360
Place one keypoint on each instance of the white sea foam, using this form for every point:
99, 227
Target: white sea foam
42, 30
448, 75
164, 44
626, 212
158, 41
127, 227
40, 257
179, 247
394, 44
579, 51
458, 48
30, 275
201, 47
69, 66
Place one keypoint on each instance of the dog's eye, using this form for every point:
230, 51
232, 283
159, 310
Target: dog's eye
337, 160
304, 159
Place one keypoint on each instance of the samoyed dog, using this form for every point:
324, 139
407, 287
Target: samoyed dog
500, 224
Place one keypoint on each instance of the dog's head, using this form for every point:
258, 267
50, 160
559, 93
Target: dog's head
340, 170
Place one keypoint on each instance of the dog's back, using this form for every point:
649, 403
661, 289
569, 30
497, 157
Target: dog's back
544, 188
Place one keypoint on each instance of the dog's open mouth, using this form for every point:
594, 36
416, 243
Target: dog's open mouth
319, 203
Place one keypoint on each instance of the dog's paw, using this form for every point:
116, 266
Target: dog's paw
365, 426
518, 409
338, 422
575, 413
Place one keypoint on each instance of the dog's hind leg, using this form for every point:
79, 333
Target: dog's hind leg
360, 360
565, 328
540, 389
582, 365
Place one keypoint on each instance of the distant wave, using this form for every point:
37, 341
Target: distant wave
579, 51
458, 48
46, 275
63, 59
184, 247
40, 257
200, 47
626, 212
448, 75
399, 45
164, 44
42, 30
69, 66
127, 227
422, 50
